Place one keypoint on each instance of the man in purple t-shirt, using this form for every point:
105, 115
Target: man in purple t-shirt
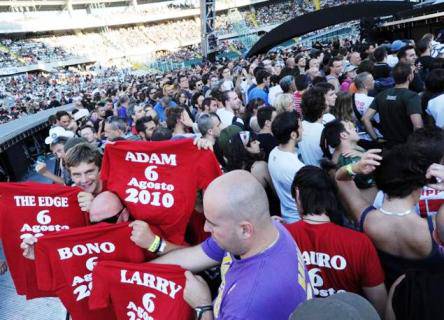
263, 275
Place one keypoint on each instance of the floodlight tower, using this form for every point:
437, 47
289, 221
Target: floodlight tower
208, 19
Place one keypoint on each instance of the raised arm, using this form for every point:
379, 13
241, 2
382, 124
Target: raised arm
348, 191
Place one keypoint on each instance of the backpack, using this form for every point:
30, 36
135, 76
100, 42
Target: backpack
227, 133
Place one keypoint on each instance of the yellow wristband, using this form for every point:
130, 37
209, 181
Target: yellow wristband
153, 247
349, 170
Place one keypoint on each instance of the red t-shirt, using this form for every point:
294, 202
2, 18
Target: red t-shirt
64, 263
158, 181
140, 291
34, 209
337, 259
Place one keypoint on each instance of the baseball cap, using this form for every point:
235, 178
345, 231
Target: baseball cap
344, 306
81, 113
57, 132
397, 45
349, 68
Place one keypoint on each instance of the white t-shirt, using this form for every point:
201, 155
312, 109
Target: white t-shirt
362, 102
283, 166
327, 117
392, 60
226, 117
227, 85
435, 108
309, 146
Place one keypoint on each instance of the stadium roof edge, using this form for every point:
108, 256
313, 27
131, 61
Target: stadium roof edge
323, 18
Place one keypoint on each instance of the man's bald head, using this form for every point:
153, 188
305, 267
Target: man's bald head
105, 205
237, 195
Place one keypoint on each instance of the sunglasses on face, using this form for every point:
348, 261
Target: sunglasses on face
114, 218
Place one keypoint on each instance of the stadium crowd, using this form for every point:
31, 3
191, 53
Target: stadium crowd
140, 39
336, 147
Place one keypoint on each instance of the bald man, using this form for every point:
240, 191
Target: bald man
107, 207
263, 276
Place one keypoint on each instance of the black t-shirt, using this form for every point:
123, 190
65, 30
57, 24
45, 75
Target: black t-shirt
267, 143
395, 106
426, 62
381, 70
417, 84
426, 66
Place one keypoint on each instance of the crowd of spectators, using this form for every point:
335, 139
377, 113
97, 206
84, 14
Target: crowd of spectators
341, 143
142, 39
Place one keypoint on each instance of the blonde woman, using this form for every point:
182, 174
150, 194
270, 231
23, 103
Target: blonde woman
284, 102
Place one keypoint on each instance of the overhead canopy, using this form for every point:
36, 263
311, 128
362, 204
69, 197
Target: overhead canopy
323, 18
